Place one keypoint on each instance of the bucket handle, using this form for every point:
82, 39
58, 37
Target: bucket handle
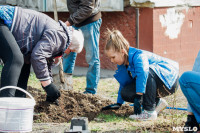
17, 88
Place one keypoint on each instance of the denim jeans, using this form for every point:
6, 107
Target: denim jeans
190, 85
91, 34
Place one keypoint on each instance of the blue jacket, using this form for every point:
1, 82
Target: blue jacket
139, 63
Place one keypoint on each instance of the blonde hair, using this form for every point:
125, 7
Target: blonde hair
117, 42
77, 41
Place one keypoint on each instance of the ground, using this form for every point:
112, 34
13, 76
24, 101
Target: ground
53, 118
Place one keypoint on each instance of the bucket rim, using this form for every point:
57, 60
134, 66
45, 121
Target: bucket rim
17, 88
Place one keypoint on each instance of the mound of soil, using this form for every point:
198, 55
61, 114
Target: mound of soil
72, 104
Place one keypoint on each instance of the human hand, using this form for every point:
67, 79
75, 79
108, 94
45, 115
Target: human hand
112, 106
52, 93
137, 104
67, 23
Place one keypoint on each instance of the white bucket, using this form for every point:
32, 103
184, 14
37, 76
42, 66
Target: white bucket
16, 114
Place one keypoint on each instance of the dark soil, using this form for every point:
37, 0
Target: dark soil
72, 104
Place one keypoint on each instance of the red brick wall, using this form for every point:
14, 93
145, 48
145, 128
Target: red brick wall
183, 49
123, 21
146, 29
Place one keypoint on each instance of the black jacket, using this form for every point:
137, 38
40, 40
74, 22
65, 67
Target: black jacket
83, 12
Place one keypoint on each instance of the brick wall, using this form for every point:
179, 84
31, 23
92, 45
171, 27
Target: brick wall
123, 21
185, 47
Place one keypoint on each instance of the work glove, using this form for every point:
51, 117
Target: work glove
137, 104
112, 106
52, 93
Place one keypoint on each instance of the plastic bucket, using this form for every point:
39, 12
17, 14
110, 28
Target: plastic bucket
16, 114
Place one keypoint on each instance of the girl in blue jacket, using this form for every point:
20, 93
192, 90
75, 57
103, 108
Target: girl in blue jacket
144, 77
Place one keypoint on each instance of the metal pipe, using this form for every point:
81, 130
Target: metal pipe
184, 109
137, 10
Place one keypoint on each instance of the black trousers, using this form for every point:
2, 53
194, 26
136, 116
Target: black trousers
14, 69
155, 89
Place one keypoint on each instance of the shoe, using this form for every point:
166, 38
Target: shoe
86, 92
191, 123
144, 116
68, 83
162, 104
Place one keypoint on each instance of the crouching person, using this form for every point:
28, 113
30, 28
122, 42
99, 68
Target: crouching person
190, 86
32, 38
144, 77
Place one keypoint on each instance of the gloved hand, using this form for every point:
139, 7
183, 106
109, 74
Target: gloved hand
137, 104
112, 106
52, 93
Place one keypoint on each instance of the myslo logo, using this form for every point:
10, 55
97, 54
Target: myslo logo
184, 129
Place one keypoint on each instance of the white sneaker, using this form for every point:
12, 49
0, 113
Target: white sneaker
144, 116
162, 104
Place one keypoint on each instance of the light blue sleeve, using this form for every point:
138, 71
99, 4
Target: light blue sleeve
7, 14
196, 66
141, 65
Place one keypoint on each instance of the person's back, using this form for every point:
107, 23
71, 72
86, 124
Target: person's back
29, 26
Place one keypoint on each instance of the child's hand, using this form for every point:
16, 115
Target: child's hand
137, 104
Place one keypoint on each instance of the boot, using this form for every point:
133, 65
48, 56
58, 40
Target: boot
68, 81
191, 123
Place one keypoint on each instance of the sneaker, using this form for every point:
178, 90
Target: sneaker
191, 123
144, 116
162, 104
68, 83
86, 92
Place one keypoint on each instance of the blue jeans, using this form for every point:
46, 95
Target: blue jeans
190, 85
91, 34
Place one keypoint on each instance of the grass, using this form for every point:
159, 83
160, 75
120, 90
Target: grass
33, 81
108, 88
110, 118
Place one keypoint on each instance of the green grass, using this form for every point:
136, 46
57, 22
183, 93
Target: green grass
110, 118
108, 88
33, 81
1, 67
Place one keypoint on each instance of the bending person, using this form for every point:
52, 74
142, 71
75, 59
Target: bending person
144, 77
32, 38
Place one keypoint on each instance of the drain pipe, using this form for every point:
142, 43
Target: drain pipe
137, 10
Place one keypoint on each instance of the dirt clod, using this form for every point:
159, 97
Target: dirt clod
72, 104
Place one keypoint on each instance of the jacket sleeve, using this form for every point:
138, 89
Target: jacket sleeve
141, 65
42, 52
123, 78
83, 12
119, 97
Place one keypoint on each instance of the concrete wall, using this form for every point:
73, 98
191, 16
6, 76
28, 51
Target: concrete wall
47, 5
31, 4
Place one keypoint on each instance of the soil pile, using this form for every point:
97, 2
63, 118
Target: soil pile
72, 104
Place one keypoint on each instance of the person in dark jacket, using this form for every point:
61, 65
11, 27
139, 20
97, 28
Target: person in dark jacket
28, 37
144, 77
86, 16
